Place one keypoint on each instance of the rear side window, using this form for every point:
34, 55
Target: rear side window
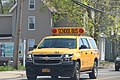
93, 43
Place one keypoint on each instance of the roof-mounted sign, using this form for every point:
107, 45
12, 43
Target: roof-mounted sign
68, 31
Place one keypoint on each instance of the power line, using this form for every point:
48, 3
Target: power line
87, 6
118, 2
92, 8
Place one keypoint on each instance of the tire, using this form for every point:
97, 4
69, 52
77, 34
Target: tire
77, 71
116, 68
94, 73
30, 76
54, 77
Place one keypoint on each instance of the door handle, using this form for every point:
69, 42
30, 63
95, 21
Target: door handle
80, 52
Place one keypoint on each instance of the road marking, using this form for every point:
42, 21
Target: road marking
108, 78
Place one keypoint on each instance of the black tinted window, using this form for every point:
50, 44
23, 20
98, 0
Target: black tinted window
58, 43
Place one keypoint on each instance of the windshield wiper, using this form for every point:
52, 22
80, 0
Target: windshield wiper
41, 47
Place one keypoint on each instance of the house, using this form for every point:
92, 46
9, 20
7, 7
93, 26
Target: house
5, 27
35, 24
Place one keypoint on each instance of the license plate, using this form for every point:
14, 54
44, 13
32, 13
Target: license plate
45, 70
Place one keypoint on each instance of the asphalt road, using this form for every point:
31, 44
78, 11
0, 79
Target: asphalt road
104, 74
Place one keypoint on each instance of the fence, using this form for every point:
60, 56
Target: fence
109, 50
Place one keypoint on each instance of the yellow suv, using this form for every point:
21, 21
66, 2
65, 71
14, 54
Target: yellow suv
64, 56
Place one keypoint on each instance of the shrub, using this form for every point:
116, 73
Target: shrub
10, 68
6, 68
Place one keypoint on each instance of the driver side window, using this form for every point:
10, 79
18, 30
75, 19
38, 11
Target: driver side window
83, 43
80, 43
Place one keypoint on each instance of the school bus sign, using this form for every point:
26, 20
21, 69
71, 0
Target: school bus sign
68, 31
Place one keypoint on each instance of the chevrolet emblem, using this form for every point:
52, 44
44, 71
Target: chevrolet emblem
46, 58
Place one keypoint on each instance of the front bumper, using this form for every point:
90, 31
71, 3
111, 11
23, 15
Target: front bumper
63, 69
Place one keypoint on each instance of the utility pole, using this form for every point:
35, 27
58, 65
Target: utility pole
16, 40
1, 5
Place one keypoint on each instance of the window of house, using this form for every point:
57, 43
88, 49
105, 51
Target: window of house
31, 4
31, 43
31, 23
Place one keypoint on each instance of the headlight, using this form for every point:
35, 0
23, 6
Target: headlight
118, 58
29, 56
68, 56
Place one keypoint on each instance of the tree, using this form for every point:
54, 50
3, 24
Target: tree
75, 11
6, 5
107, 21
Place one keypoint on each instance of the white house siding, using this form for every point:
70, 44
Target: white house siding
5, 24
5, 27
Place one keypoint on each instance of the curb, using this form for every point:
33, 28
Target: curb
20, 75
106, 66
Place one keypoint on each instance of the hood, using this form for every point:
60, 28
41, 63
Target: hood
54, 51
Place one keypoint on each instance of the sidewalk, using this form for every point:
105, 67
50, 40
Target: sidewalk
107, 65
11, 74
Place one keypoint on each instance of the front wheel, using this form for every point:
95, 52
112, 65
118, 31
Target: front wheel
30, 76
77, 71
94, 73
116, 68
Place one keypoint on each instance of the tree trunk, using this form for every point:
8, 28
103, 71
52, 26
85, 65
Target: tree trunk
1, 5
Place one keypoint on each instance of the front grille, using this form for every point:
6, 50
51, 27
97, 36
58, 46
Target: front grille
49, 55
47, 58
47, 61
118, 62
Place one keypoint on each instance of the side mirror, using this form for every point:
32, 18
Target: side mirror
83, 47
35, 46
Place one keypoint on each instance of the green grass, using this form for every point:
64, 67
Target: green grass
6, 68
21, 68
10, 68
106, 62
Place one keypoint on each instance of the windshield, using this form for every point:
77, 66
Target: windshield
58, 43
